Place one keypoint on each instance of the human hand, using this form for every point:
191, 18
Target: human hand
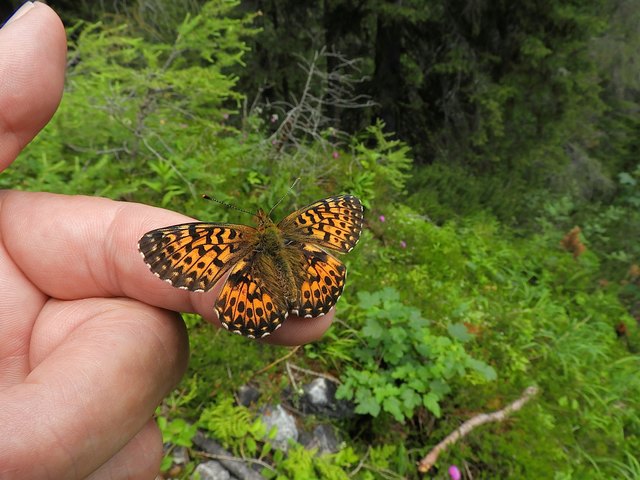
88, 343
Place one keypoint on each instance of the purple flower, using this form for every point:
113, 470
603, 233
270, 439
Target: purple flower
454, 473
335, 154
382, 219
403, 244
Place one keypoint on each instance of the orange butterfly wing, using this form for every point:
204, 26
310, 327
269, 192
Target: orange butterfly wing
334, 223
321, 284
247, 305
194, 256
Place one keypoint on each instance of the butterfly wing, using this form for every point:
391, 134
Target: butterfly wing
253, 301
247, 304
320, 283
334, 223
194, 256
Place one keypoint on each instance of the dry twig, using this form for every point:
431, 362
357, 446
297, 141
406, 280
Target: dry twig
277, 361
327, 376
430, 459
325, 91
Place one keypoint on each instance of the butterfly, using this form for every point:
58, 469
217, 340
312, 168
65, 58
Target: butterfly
273, 269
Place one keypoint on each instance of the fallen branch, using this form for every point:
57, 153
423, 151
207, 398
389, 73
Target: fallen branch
430, 459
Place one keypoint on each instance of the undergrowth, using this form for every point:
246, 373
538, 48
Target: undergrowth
448, 312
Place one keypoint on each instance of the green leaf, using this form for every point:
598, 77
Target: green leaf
367, 300
392, 405
266, 449
487, 371
430, 401
373, 329
366, 403
626, 179
410, 400
459, 332
389, 295
439, 387
166, 463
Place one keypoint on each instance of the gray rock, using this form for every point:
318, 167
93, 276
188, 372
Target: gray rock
323, 439
247, 394
285, 424
319, 392
212, 470
320, 398
236, 466
180, 455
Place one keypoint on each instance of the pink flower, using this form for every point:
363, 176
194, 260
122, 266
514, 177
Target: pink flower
454, 473
382, 219
274, 118
403, 244
335, 155
225, 116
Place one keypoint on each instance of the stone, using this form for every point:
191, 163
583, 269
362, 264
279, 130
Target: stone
320, 392
180, 455
285, 423
323, 439
247, 394
320, 398
212, 470
236, 466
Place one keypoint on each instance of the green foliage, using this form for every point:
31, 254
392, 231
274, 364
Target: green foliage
443, 293
233, 425
382, 165
138, 114
402, 365
300, 463
608, 227
177, 431
533, 312
450, 190
450, 79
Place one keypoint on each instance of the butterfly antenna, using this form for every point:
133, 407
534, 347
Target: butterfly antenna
228, 205
285, 195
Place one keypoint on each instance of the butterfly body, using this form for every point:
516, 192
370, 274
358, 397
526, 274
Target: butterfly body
273, 269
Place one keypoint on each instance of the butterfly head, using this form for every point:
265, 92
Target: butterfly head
263, 218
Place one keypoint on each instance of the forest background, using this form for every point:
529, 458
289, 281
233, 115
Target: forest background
495, 146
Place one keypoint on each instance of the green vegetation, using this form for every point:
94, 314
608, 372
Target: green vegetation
505, 127
402, 364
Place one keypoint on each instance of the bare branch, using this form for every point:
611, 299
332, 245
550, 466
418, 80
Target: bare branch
277, 361
430, 459
305, 118
326, 376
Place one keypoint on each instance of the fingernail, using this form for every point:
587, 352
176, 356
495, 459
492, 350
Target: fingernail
26, 6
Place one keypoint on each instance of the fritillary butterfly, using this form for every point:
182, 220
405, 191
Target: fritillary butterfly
273, 269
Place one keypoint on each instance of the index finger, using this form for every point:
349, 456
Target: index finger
74, 247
